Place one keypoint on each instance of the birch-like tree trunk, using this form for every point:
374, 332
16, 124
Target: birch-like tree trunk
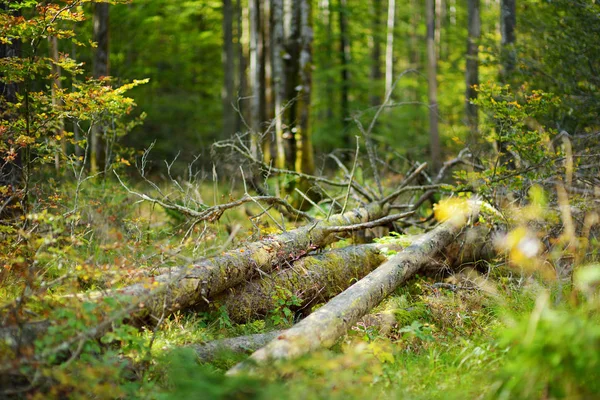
279, 81
472, 69
255, 73
389, 48
434, 137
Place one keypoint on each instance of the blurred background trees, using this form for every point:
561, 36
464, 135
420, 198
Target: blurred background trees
298, 75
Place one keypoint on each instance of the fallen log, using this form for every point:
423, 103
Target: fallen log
310, 280
383, 322
185, 286
316, 279
328, 323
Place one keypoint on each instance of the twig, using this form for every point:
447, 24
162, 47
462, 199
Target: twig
370, 224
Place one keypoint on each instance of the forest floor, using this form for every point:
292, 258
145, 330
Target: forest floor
454, 335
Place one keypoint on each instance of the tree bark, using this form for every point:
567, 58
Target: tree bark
241, 344
472, 69
376, 54
101, 69
228, 59
328, 323
389, 49
508, 22
10, 172
311, 280
279, 81
241, 50
56, 86
384, 322
305, 154
345, 73
186, 286
255, 76
434, 136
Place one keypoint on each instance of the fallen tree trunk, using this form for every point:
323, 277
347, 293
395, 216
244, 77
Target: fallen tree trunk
241, 344
328, 323
186, 286
383, 322
316, 279
310, 280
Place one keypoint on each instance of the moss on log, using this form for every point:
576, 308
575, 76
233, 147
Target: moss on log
310, 280
328, 323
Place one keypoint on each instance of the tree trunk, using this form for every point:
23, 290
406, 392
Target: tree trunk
328, 323
311, 280
279, 81
255, 76
56, 103
242, 34
384, 322
186, 286
10, 172
472, 69
508, 22
389, 49
376, 54
434, 137
345, 62
228, 59
101, 69
305, 154
241, 344
269, 109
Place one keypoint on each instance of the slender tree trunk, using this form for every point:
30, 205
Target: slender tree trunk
242, 35
439, 15
76, 133
508, 22
56, 103
345, 62
255, 75
376, 54
434, 138
305, 156
269, 108
292, 73
472, 69
10, 172
279, 84
101, 69
228, 59
329, 49
389, 50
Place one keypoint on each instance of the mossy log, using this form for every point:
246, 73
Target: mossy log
310, 280
316, 279
186, 286
328, 323
183, 287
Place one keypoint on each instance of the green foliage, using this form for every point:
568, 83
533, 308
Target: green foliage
285, 300
554, 352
